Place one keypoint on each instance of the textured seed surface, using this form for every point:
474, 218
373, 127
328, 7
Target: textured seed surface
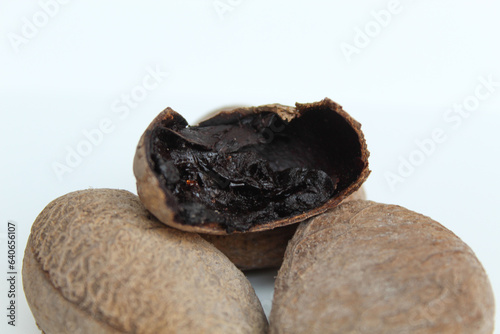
96, 262
374, 268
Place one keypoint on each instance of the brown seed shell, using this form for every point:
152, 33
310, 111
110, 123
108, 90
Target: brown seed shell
260, 250
159, 200
97, 262
373, 268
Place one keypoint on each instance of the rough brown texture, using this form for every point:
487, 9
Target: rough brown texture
373, 268
254, 250
260, 250
161, 202
97, 262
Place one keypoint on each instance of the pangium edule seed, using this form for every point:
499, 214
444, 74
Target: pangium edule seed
250, 188
250, 169
97, 262
372, 268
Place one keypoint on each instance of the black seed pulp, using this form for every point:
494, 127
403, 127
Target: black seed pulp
252, 170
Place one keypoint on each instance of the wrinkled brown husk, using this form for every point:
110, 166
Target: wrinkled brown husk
97, 262
374, 268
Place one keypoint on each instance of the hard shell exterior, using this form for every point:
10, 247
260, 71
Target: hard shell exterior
97, 262
374, 268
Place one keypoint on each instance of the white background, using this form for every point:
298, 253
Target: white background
69, 74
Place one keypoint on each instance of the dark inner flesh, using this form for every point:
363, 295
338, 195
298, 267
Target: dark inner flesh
255, 169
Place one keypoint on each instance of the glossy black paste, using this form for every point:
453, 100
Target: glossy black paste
240, 172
